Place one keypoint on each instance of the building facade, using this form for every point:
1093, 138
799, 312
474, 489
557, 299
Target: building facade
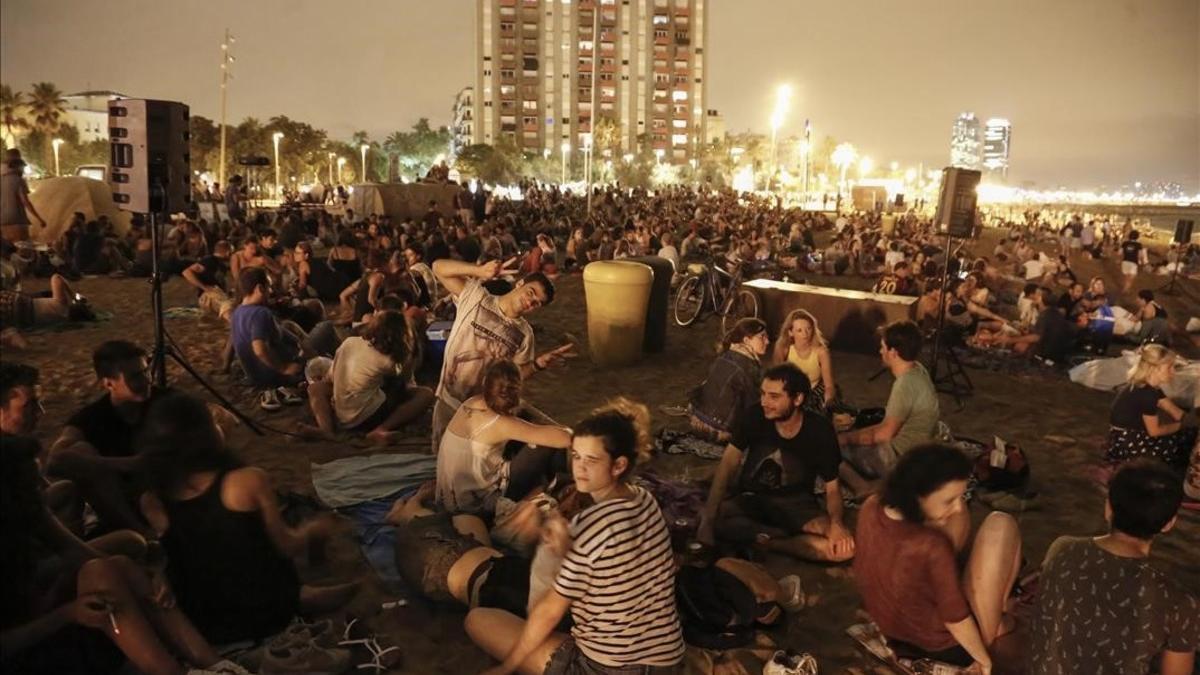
87, 111
462, 130
547, 69
714, 126
997, 138
966, 142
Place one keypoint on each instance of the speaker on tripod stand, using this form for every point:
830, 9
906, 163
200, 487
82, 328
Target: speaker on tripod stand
955, 218
150, 173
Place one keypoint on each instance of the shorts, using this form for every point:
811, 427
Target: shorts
395, 396
505, 586
568, 659
426, 548
1129, 269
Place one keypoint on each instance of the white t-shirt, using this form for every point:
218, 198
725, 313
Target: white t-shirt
482, 335
892, 257
358, 375
670, 253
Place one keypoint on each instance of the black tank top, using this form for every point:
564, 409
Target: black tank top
350, 269
326, 281
228, 577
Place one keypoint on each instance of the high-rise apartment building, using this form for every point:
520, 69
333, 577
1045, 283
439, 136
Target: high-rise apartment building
966, 142
997, 136
548, 68
462, 129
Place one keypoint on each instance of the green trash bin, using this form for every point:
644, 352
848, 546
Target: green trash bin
617, 294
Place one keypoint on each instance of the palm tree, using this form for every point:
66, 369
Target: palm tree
11, 114
47, 106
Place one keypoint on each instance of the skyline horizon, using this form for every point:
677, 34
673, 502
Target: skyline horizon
1096, 119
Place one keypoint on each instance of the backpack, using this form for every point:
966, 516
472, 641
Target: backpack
716, 610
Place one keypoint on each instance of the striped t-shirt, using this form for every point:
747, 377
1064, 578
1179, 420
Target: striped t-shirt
620, 578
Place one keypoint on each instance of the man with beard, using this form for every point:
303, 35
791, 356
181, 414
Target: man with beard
95, 448
777, 451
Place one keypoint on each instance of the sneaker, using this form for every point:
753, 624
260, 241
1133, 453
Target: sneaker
319, 633
674, 410
223, 667
296, 658
269, 400
289, 396
791, 663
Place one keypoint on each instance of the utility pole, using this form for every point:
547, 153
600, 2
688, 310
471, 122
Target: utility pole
226, 76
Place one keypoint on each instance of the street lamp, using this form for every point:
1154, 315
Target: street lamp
782, 95
658, 155
56, 143
278, 190
865, 166
364, 147
566, 148
341, 161
331, 156
843, 156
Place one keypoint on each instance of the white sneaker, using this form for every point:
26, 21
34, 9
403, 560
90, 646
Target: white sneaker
791, 594
269, 400
791, 663
289, 396
223, 667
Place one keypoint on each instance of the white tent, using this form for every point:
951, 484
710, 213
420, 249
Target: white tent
401, 200
57, 199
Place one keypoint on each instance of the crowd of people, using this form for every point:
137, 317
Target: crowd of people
542, 530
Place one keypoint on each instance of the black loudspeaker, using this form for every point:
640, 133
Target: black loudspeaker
150, 167
956, 207
1183, 231
899, 199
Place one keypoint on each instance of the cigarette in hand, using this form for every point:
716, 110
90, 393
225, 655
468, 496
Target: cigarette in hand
112, 619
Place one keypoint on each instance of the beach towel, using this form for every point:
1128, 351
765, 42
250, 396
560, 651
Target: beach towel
377, 538
354, 480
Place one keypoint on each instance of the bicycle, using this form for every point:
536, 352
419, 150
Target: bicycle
707, 286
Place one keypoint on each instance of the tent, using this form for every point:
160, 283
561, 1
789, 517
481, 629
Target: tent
57, 200
401, 200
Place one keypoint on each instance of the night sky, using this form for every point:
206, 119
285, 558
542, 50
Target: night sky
1098, 91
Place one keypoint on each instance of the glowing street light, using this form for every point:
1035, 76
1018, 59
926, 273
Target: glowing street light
276, 138
658, 155
56, 143
783, 94
566, 150
341, 161
910, 175
865, 166
364, 147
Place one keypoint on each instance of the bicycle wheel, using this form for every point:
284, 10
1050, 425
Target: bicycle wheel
744, 304
689, 299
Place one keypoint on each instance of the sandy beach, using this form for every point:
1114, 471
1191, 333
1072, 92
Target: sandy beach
1061, 426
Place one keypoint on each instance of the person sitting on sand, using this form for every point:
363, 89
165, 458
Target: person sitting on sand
732, 380
207, 275
451, 558
1137, 428
617, 576
251, 255
95, 448
271, 357
316, 279
1102, 608
486, 329
911, 415
473, 472
1152, 321
801, 344
1051, 337
370, 380
778, 450
228, 547
908, 538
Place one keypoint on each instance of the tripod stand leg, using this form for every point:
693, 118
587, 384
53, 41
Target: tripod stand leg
173, 352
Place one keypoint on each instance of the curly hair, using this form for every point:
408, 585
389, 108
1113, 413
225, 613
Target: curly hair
919, 473
623, 427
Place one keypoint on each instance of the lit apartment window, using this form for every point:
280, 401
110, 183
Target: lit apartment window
679, 139
510, 89
661, 19
529, 105
675, 95
508, 11
679, 124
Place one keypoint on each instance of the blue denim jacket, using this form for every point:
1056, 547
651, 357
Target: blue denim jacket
731, 386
